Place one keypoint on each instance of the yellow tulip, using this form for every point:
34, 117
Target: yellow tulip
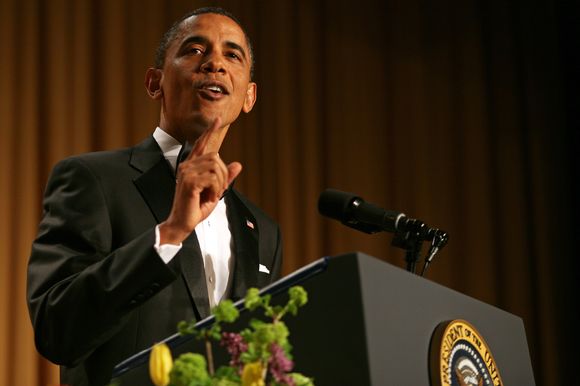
160, 363
253, 374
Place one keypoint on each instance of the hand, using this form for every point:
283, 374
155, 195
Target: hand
202, 179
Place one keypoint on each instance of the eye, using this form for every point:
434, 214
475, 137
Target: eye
195, 50
233, 55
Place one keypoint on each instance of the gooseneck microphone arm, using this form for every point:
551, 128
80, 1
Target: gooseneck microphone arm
354, 212
439, 240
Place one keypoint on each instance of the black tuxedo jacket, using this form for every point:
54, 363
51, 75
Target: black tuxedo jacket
97, 290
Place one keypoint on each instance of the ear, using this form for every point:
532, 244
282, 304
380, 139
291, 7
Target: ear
251, 95
153, 78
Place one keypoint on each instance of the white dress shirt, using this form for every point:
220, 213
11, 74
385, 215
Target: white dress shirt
213, 234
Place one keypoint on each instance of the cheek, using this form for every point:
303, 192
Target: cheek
176, 81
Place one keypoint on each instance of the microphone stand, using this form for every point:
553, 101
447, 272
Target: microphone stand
410, 239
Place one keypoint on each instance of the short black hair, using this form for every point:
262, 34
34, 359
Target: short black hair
171, 34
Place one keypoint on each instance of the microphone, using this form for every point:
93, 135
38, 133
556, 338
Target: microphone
354, 212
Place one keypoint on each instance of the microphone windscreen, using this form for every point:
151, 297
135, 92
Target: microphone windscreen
336, 204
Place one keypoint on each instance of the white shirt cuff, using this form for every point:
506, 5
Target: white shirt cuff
166, 251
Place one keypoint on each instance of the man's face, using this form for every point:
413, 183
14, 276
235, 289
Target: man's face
206, 75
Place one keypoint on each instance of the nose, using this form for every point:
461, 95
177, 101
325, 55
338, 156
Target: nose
213, 62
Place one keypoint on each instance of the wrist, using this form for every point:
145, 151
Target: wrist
169, 234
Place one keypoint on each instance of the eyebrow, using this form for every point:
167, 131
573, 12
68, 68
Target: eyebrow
237, 47
203, 40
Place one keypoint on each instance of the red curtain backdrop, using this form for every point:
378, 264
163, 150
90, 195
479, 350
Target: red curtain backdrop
460, 113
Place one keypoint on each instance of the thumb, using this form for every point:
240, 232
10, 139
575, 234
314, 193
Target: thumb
234, 170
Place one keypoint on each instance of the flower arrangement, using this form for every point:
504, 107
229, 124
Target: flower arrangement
259, 355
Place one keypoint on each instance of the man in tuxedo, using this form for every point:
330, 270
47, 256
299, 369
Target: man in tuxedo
129, 244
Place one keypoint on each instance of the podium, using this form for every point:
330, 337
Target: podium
370, 323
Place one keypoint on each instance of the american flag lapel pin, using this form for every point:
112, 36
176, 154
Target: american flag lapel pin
249, 224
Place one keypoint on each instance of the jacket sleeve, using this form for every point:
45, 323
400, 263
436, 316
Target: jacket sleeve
79, 290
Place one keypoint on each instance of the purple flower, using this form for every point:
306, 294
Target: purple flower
235, 345
279, 365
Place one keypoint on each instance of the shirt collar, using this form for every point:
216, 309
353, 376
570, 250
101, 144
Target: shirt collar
170, 147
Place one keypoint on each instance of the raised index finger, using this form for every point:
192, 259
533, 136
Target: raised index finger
207, 140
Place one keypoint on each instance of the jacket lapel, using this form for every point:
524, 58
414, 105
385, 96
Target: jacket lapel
157, 187
245, 233
193, 272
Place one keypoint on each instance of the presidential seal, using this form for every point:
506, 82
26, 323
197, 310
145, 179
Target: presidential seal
460, 357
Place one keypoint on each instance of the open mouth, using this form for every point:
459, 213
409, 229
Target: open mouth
213, 89
216, 89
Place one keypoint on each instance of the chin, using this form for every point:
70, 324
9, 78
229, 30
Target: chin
199, 124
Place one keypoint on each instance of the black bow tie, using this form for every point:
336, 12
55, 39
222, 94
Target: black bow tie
183, 153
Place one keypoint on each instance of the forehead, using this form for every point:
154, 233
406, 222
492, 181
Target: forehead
217, 28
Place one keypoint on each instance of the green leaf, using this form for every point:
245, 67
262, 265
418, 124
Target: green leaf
225, 382
253, 299
266, 299
187, 368
225, 311
251, 355
298, 295
216, 335
186, 328
256, 323
227, 373
292, 308
301, 380
278, 309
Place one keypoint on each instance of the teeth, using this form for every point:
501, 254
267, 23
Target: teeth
214, 88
